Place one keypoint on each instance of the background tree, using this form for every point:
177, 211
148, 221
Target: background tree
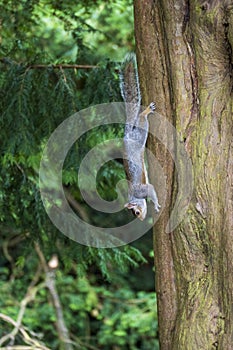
185, 62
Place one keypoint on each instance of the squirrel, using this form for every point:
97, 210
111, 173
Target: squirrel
135, 137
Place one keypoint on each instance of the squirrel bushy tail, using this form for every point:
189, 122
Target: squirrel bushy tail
129, 85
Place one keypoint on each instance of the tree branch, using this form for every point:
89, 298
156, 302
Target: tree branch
59, 66
25, 335
79, 208
63, 333
30, 295
19, 347
6, 60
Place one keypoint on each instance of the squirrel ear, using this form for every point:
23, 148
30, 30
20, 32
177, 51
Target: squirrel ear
129, 205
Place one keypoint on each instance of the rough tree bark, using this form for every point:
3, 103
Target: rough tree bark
184, 50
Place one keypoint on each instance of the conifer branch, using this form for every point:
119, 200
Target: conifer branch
64, 66
6, 60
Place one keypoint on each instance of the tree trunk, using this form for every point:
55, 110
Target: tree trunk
184, 51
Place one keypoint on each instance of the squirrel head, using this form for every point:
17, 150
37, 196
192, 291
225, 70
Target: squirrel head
138, 210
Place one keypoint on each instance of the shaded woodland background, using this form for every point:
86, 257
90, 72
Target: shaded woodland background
57, 294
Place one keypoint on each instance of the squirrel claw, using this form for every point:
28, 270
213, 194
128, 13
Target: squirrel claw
157, 208
152, 106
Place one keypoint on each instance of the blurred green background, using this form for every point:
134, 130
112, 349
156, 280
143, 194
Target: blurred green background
106, 295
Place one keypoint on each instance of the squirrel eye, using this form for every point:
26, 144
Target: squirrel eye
137, 212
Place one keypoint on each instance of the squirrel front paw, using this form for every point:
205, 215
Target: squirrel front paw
152, 106
157, 207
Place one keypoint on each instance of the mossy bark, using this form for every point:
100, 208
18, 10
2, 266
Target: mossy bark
185, 59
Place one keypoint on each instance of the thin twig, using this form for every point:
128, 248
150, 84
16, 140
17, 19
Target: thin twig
30, 295
79, 208
6, 60
84, 344
20, 347
51, 285
65, 66
35, 344
7, 254
17, 239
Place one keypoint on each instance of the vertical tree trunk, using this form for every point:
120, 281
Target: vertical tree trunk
185, 61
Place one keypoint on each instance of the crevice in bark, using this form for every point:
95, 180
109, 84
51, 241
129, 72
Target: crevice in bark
226, 25
186, 16
167, 56
168, 69
188, 40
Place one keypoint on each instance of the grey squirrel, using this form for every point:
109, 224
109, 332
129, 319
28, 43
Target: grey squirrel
135, 136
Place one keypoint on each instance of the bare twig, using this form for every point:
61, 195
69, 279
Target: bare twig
17, 239
79, 208
20, 347
7, 254
65, 66
30, 295
83, 344
9, 242
51, 285
35, 344
6, 60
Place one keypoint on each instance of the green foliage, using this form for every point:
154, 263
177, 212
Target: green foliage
129, 321
101, 315
37, 93
75, 29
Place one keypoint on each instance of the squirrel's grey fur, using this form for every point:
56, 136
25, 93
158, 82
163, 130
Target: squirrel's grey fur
135, 136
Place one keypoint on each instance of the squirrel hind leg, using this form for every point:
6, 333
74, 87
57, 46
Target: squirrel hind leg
150, 109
